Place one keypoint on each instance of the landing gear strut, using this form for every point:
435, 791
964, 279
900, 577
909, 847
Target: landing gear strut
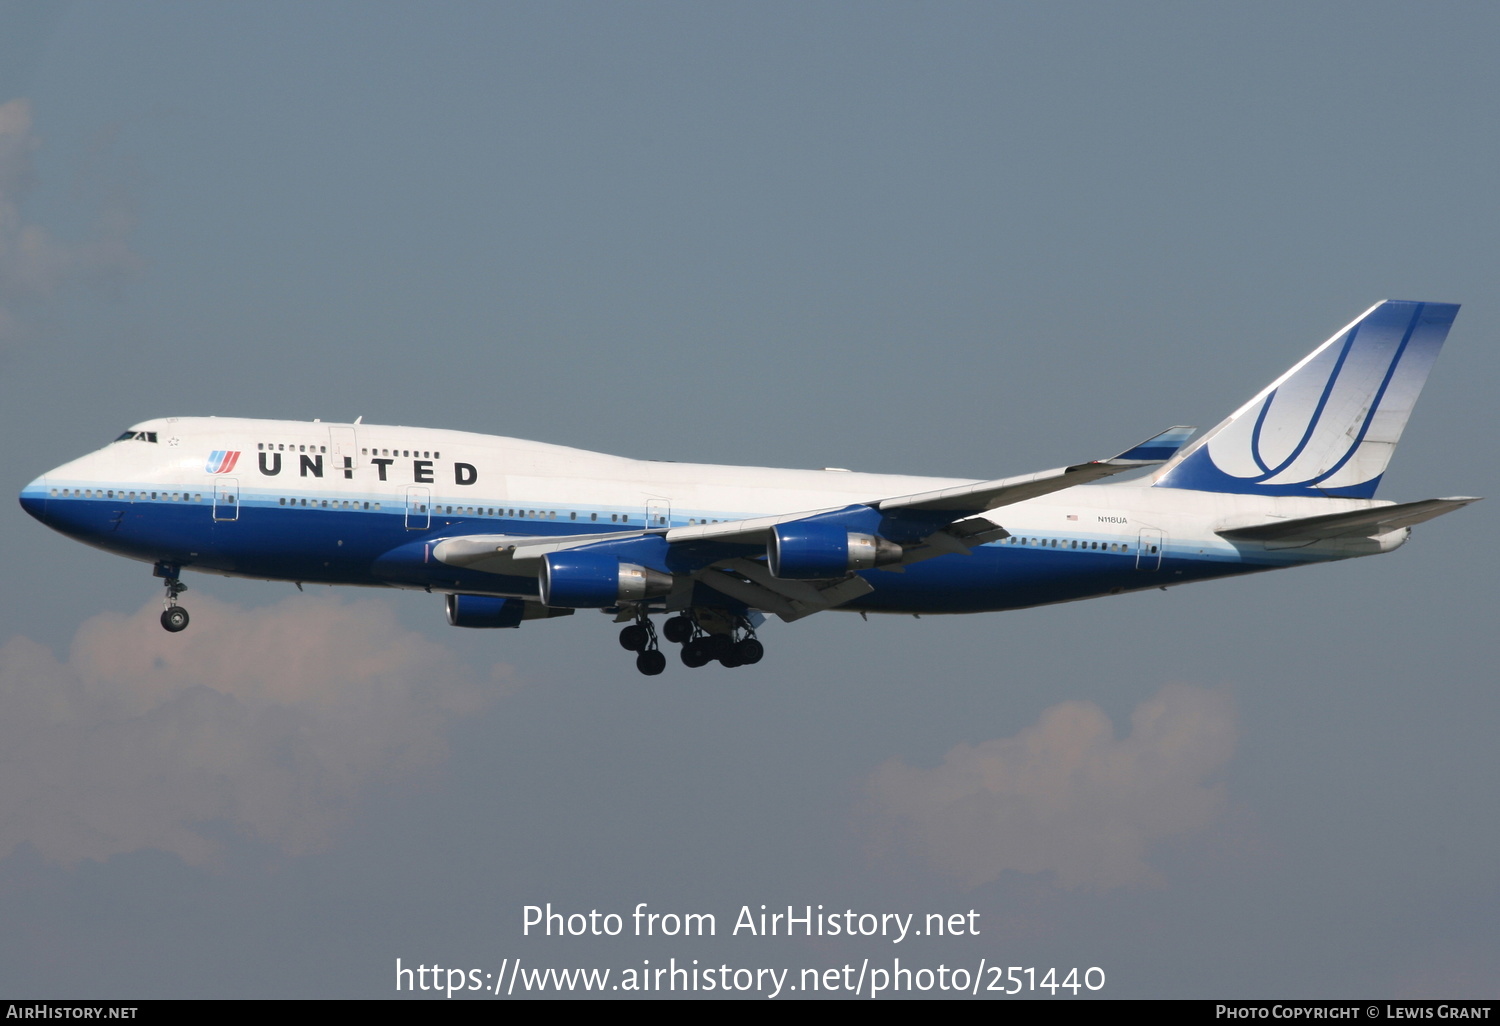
173, 617
640, 637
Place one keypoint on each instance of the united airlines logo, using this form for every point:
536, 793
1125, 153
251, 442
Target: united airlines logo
222, 461
1327, 426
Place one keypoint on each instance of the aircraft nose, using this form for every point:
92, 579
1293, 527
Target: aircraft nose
34, 499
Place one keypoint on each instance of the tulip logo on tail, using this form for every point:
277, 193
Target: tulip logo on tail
1328, 426
222, 461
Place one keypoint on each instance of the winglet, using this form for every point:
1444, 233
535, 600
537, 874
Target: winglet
1157, 449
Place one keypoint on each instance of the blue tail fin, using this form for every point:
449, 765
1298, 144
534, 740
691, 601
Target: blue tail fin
1328, 426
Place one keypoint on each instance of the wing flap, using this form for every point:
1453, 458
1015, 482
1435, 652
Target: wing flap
753, 584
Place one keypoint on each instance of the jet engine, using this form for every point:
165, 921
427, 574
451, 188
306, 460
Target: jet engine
494, 611
814, 552
585, 580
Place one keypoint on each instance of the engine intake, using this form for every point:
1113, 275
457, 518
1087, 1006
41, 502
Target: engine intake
814, 552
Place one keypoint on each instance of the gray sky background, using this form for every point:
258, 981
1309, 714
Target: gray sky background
956, 239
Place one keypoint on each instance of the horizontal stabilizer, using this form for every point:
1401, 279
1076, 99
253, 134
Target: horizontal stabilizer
1359, 523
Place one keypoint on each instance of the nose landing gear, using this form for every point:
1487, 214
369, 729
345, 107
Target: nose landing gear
173, 617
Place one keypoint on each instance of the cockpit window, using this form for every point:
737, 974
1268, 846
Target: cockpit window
139, 436
128, 434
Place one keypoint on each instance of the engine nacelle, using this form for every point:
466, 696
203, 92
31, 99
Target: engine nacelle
586, 580
814, 552
494, 611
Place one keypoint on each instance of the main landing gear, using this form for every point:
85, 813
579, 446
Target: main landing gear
640, 637
173, 617
704, 639
734, 644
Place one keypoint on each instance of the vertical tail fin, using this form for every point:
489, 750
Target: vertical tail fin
1328, 426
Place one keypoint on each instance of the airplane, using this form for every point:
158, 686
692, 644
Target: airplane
509, 530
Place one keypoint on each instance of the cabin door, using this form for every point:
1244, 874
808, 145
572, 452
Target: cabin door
226, 498
1148, 549
343, 447
658, 513
418, 508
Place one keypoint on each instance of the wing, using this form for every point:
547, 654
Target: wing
518, 555
964, 500
991, 494
791, 564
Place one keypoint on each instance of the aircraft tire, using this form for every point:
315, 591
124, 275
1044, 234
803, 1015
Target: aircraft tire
678, 629
694, 654
651, 662
634, 638
749, 651
174, 619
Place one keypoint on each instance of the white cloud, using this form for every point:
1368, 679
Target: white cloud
1064, 796
278, 722
35, 266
